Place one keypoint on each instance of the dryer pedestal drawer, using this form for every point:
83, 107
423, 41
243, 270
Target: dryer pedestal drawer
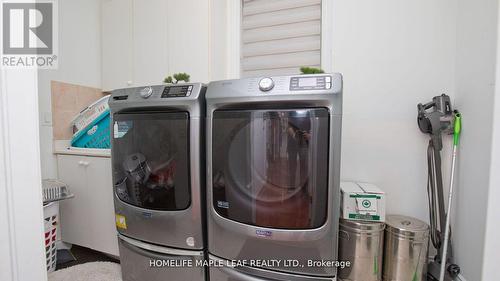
245, 273
140, 262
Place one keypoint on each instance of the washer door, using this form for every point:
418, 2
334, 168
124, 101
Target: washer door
151, 160
270, 167
157, 263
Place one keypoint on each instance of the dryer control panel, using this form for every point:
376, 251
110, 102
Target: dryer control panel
298, 83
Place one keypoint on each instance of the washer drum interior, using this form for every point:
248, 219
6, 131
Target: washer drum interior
361, 243
406, 246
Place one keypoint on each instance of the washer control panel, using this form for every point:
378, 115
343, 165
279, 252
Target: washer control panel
299, 83
177, 91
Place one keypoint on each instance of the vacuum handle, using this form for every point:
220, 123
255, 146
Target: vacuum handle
457, 128
425, 106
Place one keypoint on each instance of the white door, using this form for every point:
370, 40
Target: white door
101, 189
188, 32
151, 47
22, 251
117, 44
75, 213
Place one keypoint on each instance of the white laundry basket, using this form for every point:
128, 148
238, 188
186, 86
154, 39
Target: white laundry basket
51, 213
89, 114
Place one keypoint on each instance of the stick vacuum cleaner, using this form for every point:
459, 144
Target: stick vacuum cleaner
436, 119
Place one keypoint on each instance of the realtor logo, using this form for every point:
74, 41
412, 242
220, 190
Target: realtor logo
29, 34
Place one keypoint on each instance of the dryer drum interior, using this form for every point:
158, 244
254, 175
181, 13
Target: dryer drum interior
270, 167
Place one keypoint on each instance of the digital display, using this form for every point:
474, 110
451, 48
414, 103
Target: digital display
307, 82
310, 83
179, 91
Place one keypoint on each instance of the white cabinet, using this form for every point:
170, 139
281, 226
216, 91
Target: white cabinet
74, 212
188, 38
151, 48
144, 41
117, 44
88, 219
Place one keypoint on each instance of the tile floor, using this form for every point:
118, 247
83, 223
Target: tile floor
84, 255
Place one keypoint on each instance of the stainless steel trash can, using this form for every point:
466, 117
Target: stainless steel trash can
361, 243
405, 249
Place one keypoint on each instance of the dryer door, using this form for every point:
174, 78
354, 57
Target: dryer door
270, 167
151, 159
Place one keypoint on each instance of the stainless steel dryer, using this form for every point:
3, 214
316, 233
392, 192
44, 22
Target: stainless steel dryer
158, 174
273, 168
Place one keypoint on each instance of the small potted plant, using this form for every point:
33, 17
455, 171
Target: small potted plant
311, 70
181, 76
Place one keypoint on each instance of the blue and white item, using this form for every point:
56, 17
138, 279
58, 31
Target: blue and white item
91, 127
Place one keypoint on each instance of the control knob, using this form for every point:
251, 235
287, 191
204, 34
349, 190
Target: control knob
146, 92
266, 84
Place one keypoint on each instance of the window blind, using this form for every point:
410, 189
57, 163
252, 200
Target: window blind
280, 36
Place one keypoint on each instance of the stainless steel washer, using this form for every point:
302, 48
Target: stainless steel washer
273, 170
158, 175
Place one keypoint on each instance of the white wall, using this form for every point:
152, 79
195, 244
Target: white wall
79, 63
393, 54
475, 82
491, 255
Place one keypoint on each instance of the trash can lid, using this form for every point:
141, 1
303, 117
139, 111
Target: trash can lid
362, 226
407, 226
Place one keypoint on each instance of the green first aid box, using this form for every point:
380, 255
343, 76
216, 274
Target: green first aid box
362, 201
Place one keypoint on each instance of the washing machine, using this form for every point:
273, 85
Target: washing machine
273, 171
157, 154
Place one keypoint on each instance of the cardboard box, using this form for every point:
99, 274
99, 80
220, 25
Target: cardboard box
362, 201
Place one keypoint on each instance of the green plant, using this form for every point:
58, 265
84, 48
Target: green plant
311, 70
182, 76
168, 80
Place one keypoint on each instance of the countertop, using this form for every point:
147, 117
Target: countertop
63, 147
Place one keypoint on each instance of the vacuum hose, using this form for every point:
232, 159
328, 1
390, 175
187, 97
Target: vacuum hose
433, 163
